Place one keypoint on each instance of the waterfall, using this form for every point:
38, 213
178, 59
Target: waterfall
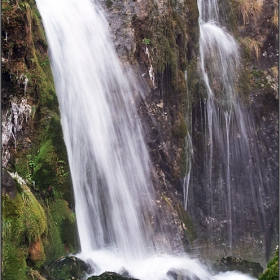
229, 178
109, 161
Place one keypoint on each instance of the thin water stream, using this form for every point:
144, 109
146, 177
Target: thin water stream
109, 161
229, 179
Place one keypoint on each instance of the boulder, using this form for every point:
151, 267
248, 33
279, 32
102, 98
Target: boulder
110, 276
232, 263
69, 267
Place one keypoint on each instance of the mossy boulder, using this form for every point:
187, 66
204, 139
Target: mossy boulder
24, 224
67, 267
232, 263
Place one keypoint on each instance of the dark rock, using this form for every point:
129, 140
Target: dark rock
110, 276
177, 275
231, 263
8, 185
69, 267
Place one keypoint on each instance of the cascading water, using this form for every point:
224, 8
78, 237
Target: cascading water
109, 162
229, 180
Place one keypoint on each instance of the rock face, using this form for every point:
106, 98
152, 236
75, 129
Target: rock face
231, 263
161, 41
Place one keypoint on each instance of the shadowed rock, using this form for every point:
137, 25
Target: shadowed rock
110, 276
231, 263
8, 185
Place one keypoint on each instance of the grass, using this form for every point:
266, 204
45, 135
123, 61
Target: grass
274, 19
252, 46
274, 72
249, 9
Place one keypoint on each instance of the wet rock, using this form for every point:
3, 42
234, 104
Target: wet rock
8, 185
69, 267
110, 276
232, 263
177, 275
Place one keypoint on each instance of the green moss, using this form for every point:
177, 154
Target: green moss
109, 3
28, 220
245, 85
180, 130
188, 224
23, 223
62, 232
13, 261
272, 270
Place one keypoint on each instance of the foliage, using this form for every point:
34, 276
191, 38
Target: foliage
251, 46
62, 233
28, 221
188, 224
146, 41
109, 3
23, 223
272, 270
248, 9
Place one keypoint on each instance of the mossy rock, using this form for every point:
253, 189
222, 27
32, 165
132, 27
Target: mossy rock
62, 230
232, 263
68, 267
188, 224
23, 224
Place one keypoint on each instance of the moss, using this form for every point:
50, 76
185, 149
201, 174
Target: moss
272, 270
13, 261
180, 130
188, 224
244, 85
109, 3
23, 224
62, 232
29, 224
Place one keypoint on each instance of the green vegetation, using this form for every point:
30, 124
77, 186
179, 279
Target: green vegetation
251, 46
146, 41
188, 224
38, 226
249, 10
272, 270
109, 3
23, 225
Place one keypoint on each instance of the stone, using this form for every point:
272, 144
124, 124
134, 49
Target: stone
232, 263
110, 276
8, 185
68, 267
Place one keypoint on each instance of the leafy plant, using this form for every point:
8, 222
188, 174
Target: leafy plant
25, 5
146, 41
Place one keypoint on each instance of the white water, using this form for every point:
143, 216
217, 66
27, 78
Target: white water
109, 162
